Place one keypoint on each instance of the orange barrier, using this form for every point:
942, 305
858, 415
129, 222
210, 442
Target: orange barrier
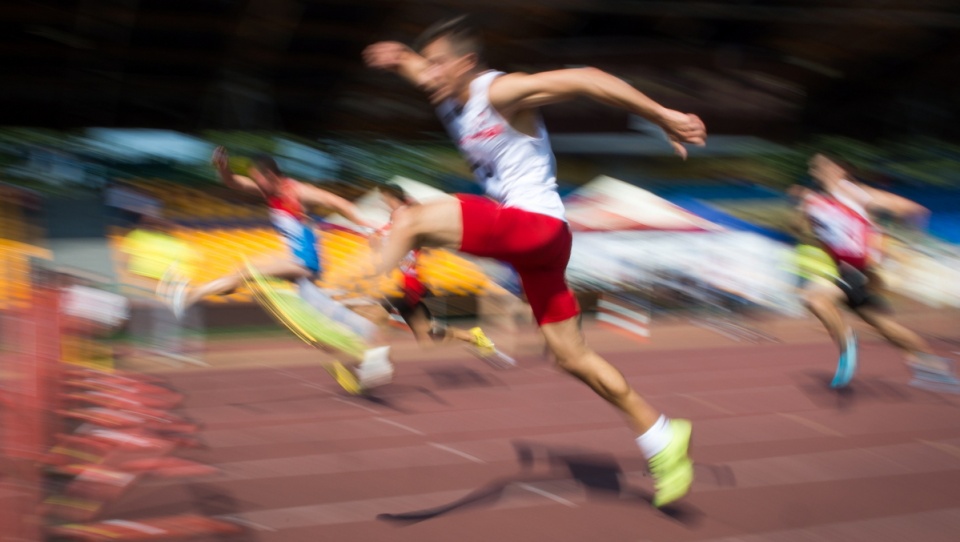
15, 259
28, 368
346, 258
102, 430
164, 528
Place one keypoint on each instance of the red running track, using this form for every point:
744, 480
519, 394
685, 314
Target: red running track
455, 451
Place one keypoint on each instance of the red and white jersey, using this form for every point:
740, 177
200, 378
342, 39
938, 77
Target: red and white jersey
290, 219
514, 168
840, 223
287, 200
286, 211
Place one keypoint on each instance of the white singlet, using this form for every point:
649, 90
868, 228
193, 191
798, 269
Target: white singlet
514, 168
840, 222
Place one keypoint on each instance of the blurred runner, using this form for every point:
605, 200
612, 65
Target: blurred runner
838, 215
410, 304
288, 200
493, 118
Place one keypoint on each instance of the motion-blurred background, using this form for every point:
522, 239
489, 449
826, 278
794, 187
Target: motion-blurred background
111, 109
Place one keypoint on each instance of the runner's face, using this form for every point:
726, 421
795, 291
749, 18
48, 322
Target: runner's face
448, 73
824, 171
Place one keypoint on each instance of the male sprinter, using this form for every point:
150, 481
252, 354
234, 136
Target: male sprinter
288, 200
492, 117
838, 215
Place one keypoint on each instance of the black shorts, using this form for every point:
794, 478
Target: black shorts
861, 288
406, 305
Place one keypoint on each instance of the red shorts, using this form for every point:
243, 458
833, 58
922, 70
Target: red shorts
413, 290
536, 245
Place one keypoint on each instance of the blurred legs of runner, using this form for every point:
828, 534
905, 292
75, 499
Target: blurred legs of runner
373, 370
825, 301
442, 224
428, 333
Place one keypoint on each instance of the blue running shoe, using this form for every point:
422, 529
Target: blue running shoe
935, 369
847, 364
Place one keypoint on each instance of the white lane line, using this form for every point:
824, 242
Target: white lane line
400, 425
304, 381
816, 426
317, 387
455, 451
246, 523
943, 447
706, 403
354, 404
547, 494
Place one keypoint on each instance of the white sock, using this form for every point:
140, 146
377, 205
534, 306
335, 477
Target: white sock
375, 369
377, 357
656, 438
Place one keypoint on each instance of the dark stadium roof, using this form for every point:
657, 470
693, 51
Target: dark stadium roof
776, 68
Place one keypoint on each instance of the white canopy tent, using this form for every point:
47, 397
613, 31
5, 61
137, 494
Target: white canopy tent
625, 235
608, 204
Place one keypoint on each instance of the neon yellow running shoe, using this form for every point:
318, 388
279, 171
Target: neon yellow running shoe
344, 377
484, 349
482, 342
672, 468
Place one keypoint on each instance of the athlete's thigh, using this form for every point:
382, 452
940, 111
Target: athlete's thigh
512, 235
882, 320
548, 294
436, 224
877, 317
281, 268
822, 290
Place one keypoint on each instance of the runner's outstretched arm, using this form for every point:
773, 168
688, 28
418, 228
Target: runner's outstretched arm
396, 57
311, 195
518, 91
902, 208
221, 161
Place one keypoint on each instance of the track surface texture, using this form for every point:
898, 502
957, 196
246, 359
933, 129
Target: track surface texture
454, 450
